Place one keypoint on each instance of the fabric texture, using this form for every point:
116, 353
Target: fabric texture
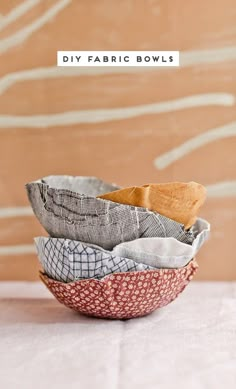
177, 200
68, 260
165, 252
88, 185
76, 215
123, 295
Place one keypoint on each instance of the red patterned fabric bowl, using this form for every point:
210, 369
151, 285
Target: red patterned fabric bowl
123, 295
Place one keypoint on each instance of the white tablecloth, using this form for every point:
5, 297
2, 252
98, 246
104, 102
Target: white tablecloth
189, 344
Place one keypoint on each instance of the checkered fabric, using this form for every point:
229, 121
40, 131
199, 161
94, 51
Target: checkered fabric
68, 214
67, 260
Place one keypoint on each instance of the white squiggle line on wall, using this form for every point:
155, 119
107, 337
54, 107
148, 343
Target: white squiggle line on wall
105, 115
188, 58
198, 141
18, 249
21, 35
17, 12
9, 212
222, 189
211, 56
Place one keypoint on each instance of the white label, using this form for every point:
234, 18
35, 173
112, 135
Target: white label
118, 58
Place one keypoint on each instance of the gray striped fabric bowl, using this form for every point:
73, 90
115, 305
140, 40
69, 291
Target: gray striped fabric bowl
67, 207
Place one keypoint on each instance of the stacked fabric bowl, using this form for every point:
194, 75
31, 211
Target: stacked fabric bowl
117, 252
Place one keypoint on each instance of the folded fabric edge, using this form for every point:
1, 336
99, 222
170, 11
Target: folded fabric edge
193, 249
193, 263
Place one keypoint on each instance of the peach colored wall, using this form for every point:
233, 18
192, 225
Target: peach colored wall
129, 149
